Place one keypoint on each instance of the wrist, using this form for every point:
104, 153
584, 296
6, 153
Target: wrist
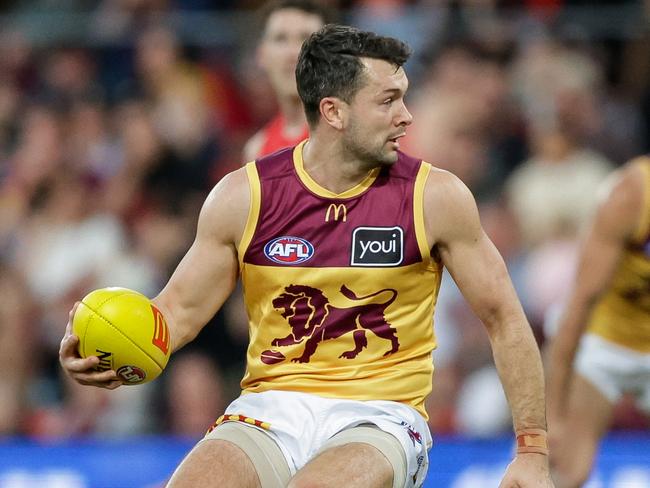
532, 441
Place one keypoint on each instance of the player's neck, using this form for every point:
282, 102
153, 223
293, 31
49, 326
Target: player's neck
329, 166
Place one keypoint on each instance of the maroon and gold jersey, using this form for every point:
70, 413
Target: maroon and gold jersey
622, 315
340, 289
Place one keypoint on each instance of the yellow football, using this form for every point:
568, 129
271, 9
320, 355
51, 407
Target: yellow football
125, 331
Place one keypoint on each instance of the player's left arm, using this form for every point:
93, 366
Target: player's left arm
453, 225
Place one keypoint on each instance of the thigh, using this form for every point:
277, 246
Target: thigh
215, 463
238, 455
353, 465
362, 456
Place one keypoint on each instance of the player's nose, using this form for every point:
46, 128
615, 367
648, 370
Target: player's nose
404, 118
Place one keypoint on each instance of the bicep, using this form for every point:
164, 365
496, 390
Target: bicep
208, 272
481, 275
199, 286
467, 252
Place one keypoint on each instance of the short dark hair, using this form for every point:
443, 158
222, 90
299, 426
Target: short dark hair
326, 14
329, 64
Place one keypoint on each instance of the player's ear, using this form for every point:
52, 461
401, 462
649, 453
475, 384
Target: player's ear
334, 112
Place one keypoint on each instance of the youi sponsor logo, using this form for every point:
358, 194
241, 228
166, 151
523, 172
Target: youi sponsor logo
377, 246
289, 250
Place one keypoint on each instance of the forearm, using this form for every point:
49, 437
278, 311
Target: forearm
519, 364
188, 308
181, 331
562, 351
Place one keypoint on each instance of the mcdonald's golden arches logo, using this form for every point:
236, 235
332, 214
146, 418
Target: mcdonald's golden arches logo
337, 210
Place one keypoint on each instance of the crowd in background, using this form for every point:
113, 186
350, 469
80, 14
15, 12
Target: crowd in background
108, 148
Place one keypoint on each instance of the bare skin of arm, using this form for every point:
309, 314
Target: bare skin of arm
603, 245
453, 225
198, 287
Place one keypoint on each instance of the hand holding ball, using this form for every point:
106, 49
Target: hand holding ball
125, 331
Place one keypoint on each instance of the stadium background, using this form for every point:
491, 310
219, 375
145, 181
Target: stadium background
117, 117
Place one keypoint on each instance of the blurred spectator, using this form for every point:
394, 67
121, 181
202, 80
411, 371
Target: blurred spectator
553, 191
286, 24
194, 393
176, 92
460, 116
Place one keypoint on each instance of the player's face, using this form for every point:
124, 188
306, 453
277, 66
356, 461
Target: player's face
377, 116
285, 32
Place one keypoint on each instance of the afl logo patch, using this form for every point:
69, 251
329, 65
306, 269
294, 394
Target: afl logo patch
289, 250
131, 374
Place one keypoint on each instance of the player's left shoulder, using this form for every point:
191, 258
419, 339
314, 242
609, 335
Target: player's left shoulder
622, 200
444, 189
450, 210
624, 189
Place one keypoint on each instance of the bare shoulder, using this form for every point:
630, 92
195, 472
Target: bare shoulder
253, 146
449, 207
621, 199
225, 209
627, 185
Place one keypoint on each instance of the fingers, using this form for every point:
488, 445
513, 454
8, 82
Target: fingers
104, 379
68, 327
83, 370
68, 347
108, 386
79, 372
80, 365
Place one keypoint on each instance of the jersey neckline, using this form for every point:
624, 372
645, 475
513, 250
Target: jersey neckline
320, 191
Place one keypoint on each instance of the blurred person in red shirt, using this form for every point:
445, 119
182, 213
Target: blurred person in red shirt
286, 24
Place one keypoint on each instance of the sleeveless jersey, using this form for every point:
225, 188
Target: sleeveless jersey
340, 289
275, 139
622, 315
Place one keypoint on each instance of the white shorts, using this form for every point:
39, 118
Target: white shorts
300, 424
614, 370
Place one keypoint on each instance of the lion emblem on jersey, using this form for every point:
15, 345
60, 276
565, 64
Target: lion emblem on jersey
313, 319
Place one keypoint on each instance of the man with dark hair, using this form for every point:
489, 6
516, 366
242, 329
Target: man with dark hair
285, 24
340, 243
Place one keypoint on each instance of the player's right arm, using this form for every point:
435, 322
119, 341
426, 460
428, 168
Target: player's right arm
611, 228
207, 274
202, 281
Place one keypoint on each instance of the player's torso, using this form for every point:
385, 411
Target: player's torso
623, 313
275, 136
340, 289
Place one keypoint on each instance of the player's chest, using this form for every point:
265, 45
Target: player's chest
362, 232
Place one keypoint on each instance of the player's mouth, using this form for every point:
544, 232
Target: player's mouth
395, 139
